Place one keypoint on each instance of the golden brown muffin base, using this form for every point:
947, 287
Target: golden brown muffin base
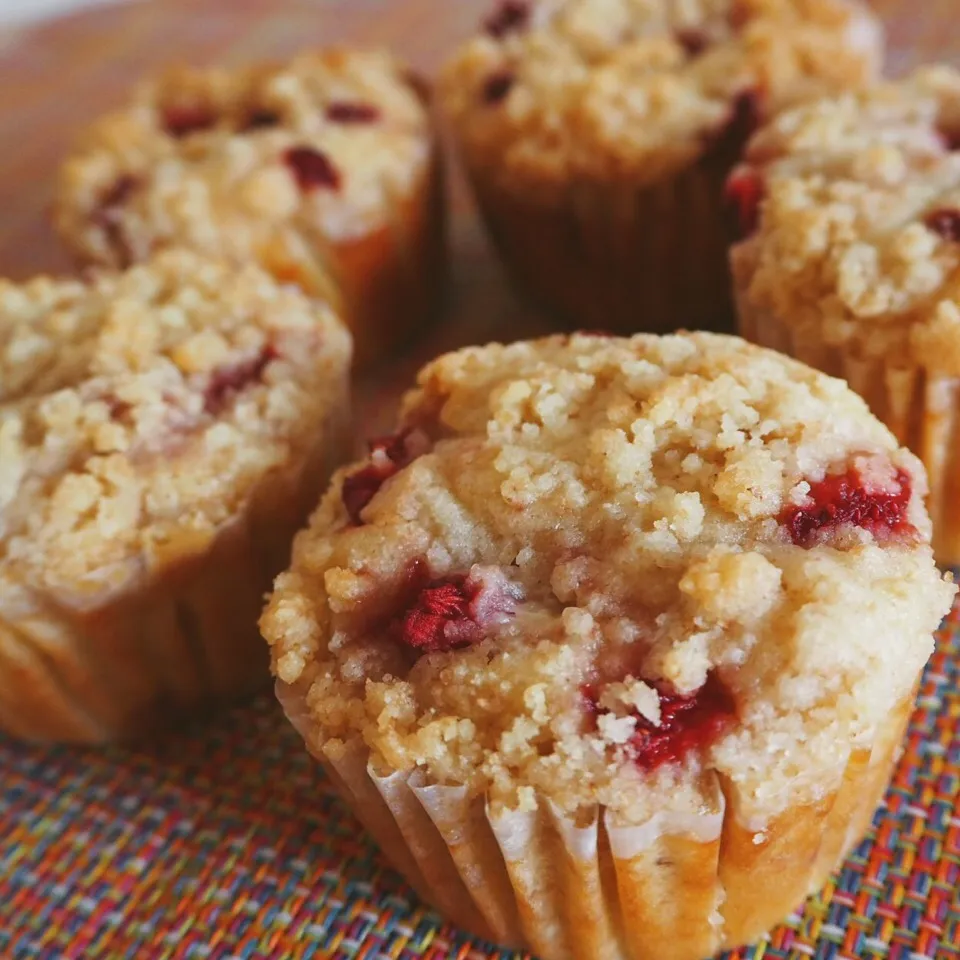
180, 641
921, 408
564, 890
619, 258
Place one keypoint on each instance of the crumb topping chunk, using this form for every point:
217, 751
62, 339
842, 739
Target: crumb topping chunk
612, 562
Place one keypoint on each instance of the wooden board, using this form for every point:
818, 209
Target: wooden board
57, 77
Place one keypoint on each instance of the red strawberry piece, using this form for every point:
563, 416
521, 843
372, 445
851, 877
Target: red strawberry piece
498, 86
226, 382
950, 136
440, 619
313, 169
457, 611
844, 499
509, 17
693, 41
108, 216
743, 194
346, 112
260, 118
388, 455
181, 121
688, 723
945, 222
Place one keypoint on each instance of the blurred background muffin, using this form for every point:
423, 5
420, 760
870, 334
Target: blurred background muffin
163, 434
324, 170
598, 135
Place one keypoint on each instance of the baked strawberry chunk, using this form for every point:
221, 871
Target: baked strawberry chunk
744, 192
313, 169
688, 724
440, 620
343, 112
497, 87
945, 222
693, 41
848, 499
108, 216
951, 137
260, 118
457, 611
509, 17
181, 121
226, 382
388, 455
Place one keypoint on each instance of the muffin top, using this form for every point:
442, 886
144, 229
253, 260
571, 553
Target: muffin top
634, 90
221, 160
586, 563
139, 411
851, 209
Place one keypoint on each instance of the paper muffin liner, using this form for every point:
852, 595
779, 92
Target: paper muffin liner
922, 410
181, 639
617, 257
679, 887
388, 283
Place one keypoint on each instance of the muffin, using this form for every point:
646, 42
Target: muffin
612, 645
850, 260
325, 170
163, 434
598, 135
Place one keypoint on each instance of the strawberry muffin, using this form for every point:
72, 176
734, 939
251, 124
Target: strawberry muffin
850, 260
598, 135
612, 645
325, 170
163, 433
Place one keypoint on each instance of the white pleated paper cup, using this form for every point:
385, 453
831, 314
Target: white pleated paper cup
680, 886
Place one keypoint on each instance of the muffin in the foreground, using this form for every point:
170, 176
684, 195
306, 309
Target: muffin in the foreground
851, 260
611, 647
163, 434
598, 137
325, 170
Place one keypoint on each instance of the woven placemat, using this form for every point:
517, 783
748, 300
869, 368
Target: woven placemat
225, 840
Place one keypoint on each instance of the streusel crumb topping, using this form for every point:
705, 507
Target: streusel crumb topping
632, 90
857, 232
223, 161
139, 411
577, 567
